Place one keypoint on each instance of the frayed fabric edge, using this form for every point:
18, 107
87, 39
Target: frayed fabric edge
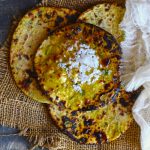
37, 140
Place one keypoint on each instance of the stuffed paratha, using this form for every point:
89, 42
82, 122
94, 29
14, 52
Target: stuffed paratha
77, 63
31, 31
107, 16
104, 124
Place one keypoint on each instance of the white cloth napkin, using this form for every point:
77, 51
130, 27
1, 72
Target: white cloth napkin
135, 67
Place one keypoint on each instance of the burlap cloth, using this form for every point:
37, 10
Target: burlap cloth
31, 118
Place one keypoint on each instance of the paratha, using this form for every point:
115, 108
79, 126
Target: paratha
102, 125
77, 63
33, 28
107, 16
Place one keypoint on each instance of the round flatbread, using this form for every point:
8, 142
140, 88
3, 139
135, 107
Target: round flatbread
104, 124
31, 31
77, 63
107, 16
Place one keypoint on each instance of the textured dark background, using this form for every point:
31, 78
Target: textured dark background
9, 139
10, 8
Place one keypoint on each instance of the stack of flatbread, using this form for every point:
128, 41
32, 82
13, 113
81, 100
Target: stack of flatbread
70, 61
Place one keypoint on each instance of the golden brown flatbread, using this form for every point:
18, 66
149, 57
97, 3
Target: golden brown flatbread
78, 63
33, 28
98, 126
107, 16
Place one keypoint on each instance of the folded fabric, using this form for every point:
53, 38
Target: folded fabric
135, 68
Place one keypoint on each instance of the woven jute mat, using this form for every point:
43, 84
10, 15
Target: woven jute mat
32, 119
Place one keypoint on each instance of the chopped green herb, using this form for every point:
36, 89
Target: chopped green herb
83, 92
